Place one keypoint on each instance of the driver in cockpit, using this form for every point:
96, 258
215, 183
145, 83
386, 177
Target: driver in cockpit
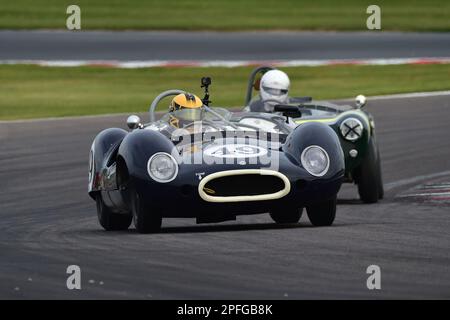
273, 90
184, 109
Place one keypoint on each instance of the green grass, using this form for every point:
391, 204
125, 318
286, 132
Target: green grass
34, 92
417, 15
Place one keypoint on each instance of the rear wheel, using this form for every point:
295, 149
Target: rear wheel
322, 214
145, 220
109, 220
286, 216
370, 176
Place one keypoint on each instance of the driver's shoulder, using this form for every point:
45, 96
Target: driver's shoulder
256, 105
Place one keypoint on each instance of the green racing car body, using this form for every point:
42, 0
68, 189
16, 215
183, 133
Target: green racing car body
354, 126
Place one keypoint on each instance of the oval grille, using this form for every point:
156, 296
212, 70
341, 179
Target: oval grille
244, 185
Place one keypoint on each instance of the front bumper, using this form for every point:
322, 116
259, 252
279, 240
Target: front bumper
185, 201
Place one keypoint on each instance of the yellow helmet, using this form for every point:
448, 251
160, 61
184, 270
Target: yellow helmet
185, 101
185, 108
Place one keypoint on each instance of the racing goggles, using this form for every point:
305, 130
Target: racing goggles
275, 92
188, 114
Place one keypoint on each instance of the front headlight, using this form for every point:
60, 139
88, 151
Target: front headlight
315, 160
351, 129
162, 167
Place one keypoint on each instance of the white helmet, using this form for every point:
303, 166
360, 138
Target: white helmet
274, 86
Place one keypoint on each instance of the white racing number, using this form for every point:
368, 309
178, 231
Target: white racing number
235, 151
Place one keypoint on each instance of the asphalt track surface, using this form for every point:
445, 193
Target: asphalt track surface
170, 45
47, 222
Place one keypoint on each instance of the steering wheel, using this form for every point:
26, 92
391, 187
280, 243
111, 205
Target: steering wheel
161, 96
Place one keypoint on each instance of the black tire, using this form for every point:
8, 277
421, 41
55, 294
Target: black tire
322, 214
111, 221
369, 176
145, 220
380, 177
286, 216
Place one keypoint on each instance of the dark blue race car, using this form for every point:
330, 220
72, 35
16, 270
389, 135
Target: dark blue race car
214, 167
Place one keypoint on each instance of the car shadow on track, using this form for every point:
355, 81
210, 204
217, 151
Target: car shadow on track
233, 227
350, 201
217, 228
359, 202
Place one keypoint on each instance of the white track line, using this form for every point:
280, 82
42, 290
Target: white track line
411, 95
226, 63
424, 194
433, 187
63, 118
404, 95
413, 180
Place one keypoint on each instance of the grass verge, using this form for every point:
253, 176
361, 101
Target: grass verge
35, 92
405, 15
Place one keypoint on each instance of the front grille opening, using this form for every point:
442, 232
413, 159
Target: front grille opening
243, 185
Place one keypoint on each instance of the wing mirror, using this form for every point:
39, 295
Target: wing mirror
360, 101
289, 111
134, 122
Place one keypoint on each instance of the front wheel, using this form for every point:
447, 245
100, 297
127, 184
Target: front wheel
111, 221
380, 177
145, 220
286, 216
322, 214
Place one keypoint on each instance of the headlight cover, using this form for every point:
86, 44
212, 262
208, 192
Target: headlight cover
315, 160
162, 167
351, 129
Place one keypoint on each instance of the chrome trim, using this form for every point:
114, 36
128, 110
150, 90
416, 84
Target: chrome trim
324, 171
260, 197
134, 122
157, 179
351, 119
353, 153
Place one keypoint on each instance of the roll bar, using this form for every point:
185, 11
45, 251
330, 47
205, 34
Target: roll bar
161, 96
251, 82
174, 92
